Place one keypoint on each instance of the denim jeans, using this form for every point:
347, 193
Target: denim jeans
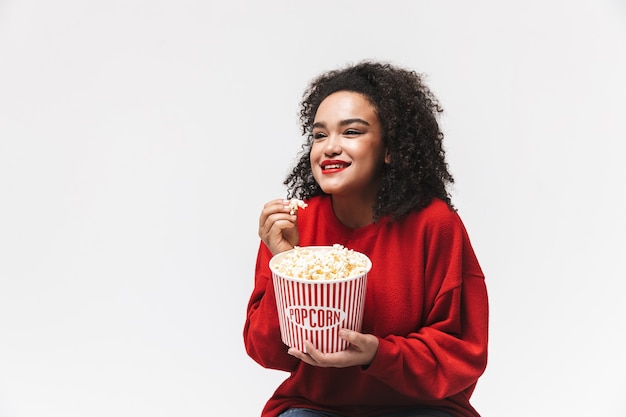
418, 412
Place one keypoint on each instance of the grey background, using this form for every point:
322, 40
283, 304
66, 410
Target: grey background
140, 139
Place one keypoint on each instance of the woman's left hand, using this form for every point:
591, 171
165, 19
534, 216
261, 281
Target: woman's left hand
361, 352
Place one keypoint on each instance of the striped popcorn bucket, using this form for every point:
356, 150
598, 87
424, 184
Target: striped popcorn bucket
315, 310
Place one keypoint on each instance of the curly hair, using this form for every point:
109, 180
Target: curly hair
408, 112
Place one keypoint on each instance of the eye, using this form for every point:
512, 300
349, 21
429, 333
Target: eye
319, 135
352, 132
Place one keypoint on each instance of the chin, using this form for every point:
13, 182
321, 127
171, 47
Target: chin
330, 190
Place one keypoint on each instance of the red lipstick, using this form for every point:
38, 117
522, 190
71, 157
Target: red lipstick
332, 166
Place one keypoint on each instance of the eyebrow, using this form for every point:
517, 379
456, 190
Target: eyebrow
343, 122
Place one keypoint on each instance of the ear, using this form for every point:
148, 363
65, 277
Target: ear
387, 157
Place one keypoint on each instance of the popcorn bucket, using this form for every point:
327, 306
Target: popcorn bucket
315, 309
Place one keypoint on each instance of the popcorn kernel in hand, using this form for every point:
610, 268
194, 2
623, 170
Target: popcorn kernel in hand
294, 203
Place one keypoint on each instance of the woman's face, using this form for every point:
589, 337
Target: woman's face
347, 154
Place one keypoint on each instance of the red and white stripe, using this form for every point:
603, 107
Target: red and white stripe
316, 310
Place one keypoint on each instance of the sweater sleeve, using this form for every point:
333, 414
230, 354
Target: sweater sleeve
261, 330
449, 352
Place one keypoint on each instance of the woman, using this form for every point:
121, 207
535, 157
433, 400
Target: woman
374, 177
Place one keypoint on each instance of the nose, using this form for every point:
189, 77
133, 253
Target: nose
332, 145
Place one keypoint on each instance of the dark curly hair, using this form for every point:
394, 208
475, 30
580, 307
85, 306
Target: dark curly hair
408, 113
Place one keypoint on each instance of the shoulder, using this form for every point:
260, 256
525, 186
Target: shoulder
436, 220
439, 208
437, 212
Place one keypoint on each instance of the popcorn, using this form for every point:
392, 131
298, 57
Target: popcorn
319, 290
294, 203
331, 263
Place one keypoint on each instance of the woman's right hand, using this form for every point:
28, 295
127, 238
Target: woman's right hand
278, 229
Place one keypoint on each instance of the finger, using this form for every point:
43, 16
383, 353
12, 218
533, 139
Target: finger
274, 223
272, 207
312, 351
365, 344
311, 354
295, 352
350, 336
302, 356
275, 232
319, 358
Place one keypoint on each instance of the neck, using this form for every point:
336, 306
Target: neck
353, 213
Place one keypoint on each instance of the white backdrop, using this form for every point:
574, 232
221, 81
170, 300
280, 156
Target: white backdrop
140, 139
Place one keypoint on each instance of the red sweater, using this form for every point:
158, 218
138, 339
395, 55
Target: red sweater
426, 301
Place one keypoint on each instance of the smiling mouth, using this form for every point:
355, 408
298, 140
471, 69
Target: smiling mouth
330, 166
334, 166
